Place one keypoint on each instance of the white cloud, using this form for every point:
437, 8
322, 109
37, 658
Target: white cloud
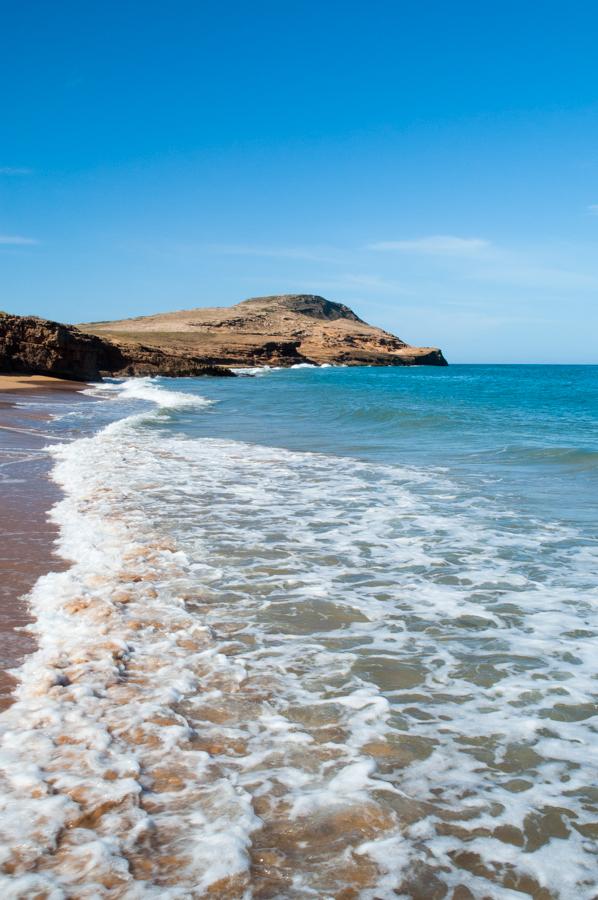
312, 254
477, 260
535, 276
15, 170
373, 282
350, 283
436, 245
593, 209
16, 240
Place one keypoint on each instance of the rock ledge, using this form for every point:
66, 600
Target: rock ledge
37, 346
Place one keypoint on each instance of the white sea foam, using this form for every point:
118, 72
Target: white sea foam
285, 674
150, 390
267, 370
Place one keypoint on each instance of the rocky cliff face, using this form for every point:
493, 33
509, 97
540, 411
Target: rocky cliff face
32, 345
38, 346
277, 330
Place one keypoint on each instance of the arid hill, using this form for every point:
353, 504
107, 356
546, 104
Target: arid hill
278, 330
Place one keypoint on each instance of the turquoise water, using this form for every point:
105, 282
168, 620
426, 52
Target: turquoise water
527, 433
327, 633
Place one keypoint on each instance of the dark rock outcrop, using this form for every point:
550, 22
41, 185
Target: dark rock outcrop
279, 353
37, 346
136, 359
311, 305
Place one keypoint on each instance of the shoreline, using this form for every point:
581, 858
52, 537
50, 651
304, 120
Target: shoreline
26, 535
15, 382
283, 655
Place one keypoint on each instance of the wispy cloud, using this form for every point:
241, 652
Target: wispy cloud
545, 277
476, 259
368, 282
16, 240
436, 245
371, 281
593, 209
15, 170
312, 254
465, 314
348, 283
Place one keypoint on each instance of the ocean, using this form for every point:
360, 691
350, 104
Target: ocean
327, 632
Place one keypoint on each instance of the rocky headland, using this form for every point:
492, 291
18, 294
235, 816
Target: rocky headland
281, 330
278, 330
31, 345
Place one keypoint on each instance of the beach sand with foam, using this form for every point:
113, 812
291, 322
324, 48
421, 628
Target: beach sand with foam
271, 673
26, 534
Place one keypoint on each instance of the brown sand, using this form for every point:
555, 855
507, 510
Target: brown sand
16, 382
26, 494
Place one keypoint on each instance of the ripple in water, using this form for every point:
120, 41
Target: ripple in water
279, 674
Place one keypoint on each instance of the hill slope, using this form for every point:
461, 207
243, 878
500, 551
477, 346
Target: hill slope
277, 330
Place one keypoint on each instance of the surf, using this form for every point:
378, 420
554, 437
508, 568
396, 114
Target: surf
271, 672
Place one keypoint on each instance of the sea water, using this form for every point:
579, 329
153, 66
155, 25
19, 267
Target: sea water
327, 632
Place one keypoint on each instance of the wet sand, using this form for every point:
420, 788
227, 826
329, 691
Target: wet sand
26, 495
39, 383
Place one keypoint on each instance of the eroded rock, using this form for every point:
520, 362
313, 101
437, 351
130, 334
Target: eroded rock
37, 346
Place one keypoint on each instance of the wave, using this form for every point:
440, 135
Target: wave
268, 370
151, 390
576, 457
91, 745
258, 370
272, 673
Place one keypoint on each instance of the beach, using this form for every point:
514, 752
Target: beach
26, 535
298, 517
316, 632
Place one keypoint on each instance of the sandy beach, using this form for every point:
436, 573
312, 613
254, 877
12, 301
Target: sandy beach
39, 383
26, 536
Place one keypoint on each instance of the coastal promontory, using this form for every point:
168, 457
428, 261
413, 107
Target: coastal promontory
277, 330
281, 330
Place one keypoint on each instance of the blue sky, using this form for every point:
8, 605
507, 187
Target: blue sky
435, 166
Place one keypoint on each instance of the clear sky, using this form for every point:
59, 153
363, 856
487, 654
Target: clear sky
434, 165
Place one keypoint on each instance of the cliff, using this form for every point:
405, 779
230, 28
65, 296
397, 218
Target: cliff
277, 330
38, 346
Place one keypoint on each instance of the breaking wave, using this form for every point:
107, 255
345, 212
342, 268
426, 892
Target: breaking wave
281, 674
